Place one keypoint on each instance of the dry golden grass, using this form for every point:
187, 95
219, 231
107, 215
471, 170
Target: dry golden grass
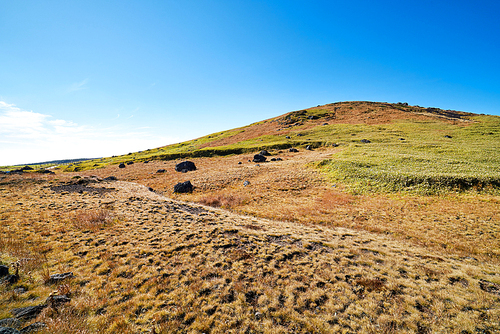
172, 267
93, 220
466, 224
225, 201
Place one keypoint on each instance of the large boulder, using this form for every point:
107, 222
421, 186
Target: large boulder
259, 158
265, 153
185, 166
121, 165
184, 187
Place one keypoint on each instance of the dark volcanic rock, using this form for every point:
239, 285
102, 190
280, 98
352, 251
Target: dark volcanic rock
121, 165
34, 327
8, 330
25, 168
4, 271
293, 150
80, 188
45, 171
56, 278
10, 322
110, 178
184, 187
11, 279
265, 153
130, 163
27, 313
365, 141
160, 171
185, 166
489, 287
309, 147
57, 300
259, 158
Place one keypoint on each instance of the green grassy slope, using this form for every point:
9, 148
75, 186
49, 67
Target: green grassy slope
410, 147
420, 156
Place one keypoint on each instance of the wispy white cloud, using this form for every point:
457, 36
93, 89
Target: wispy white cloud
76, 86
27, 136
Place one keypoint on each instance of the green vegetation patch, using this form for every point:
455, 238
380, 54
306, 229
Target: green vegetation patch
428, 157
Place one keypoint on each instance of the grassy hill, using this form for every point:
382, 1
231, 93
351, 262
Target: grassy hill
388, 223
410, 148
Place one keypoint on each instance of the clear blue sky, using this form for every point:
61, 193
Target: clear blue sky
98, 78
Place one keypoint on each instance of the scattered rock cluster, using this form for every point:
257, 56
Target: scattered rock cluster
20, 315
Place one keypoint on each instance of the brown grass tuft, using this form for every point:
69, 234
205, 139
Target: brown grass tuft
371, 284
93, 220
332, 198
225, 201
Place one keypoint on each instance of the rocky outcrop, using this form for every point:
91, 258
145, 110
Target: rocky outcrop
185, 166
183, 187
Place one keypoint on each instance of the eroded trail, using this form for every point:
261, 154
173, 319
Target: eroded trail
173, 266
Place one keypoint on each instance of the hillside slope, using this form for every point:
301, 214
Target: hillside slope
411, 148
143, 262
383, 220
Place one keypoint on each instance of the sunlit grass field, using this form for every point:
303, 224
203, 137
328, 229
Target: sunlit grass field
421, 157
